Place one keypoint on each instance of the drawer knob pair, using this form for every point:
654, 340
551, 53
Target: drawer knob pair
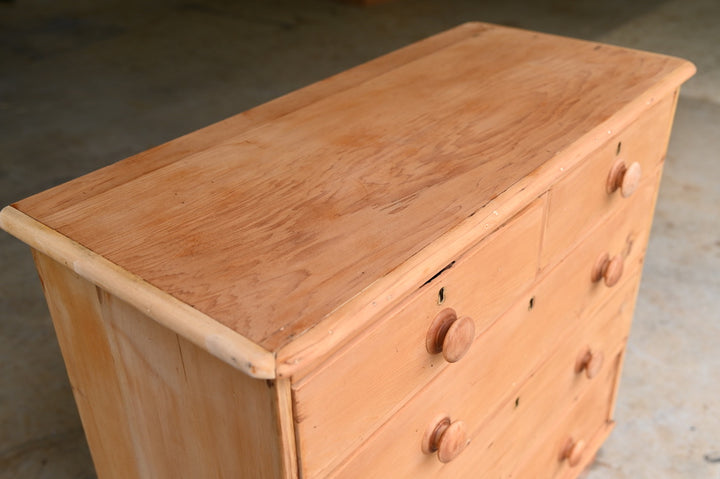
623, 177
589, 361
445, 437
573, 451
608, 269
450, 336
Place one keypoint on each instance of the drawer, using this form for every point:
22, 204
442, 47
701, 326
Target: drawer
376, 374
580, 199
503, 435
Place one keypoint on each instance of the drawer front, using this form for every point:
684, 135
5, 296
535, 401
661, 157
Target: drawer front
579, 200
505, 435
339, 406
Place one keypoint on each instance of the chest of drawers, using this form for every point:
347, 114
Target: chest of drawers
425, 266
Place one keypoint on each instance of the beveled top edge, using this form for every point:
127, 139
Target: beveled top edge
206, 333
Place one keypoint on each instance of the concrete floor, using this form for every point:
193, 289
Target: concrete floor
84, 83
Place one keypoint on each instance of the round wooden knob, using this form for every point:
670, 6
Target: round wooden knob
445, 437
590, 361
458, 339
573, 452
626, 178
450, 335
608, 269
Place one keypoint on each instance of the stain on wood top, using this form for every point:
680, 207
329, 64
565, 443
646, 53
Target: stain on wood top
271, 220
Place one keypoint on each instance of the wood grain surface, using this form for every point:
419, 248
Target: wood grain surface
376, 375
382, 367
270, 225
580, 199
504, 419
155, 405
188, 323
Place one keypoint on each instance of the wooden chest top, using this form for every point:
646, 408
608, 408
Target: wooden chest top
342, 196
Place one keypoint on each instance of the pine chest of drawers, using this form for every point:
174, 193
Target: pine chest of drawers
425, 266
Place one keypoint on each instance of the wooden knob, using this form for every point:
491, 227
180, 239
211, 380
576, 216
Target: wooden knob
445, 437
573, 452
589, 361
610, 270
458, 339
450, 335
626, 178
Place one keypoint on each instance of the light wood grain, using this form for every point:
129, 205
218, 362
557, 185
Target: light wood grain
317, 343
593, 444
311, 242
458, 339
589, 421
82, 335
283, 404
376, 374
279, 226
152, 403
189, 323
574, 451
523, 335
503, 432
452, 442
511, 434
580, 199
116, 174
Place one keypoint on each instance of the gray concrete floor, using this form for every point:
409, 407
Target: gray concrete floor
84, 84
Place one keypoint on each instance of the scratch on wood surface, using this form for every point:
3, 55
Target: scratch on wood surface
182, 359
